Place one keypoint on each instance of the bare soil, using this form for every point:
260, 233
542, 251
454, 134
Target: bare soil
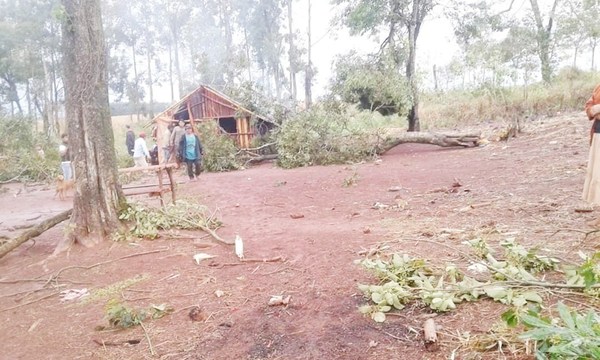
417, 199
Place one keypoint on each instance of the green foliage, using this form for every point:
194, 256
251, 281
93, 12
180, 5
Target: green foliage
320, 136
374, 85
119, 315
587, 274
572, 336
404, 279
219, 149
122, 316
19, 157
146, 222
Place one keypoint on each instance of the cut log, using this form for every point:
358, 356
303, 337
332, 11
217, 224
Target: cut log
429, 332
261, 158
12, 244
444, 140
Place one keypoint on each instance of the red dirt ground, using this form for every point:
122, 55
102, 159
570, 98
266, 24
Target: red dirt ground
526, 188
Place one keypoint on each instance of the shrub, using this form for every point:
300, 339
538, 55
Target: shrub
319, 136
219, 149
19, 158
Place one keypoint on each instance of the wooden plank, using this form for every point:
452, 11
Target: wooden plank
148, 168
142, 191
125, 187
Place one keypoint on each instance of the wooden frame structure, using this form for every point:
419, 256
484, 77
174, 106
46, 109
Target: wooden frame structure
158, 189
208, 104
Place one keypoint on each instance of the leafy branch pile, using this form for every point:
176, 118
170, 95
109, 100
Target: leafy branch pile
146, 222
404, 279
122, 316
219, 151
320, 136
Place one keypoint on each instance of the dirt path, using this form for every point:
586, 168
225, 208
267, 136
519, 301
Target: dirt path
318, 219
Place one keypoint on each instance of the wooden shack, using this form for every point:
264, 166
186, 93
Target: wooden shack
208, 104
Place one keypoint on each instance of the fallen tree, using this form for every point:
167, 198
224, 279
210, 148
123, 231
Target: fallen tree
444, 140
382, 146
12, 244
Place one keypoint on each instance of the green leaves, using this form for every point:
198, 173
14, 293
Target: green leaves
571, 336
147, 222
122, 316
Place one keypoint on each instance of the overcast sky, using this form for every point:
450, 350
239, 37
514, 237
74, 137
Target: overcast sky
435, 45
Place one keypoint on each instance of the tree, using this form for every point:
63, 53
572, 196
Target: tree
543, 38
372, 83
98, 195
392, 16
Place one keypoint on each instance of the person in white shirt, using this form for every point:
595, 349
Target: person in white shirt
140, 151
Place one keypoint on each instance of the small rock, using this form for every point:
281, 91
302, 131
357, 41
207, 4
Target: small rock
366, 230
279, 300
395, 188
379, 206
196, 314
296, 216
219, 293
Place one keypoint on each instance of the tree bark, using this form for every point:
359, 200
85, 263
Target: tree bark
543, 38
309, 72
444, 140
292, 52
34, 232
98, 195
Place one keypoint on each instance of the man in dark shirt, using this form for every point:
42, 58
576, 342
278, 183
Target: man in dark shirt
129, 140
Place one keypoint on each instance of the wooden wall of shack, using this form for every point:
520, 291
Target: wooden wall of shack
206, 104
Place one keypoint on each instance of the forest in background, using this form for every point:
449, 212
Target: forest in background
517, 59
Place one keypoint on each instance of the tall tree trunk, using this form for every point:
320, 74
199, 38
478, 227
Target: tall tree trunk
98, 195
150, 83
171, 84
55, 97
247, 46
308, 74
46, 115
292, 53
175, 33
136, 98
543, 38
13, 94
413, 113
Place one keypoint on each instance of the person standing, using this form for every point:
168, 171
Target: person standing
190, 151
176, 136
129, 140
591, 186
140, 151
166, 143
65, 158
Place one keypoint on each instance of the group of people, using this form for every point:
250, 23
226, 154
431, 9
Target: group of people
178, 141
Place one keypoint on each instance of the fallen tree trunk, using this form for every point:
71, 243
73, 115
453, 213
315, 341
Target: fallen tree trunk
12, 244
261, 158
444, 140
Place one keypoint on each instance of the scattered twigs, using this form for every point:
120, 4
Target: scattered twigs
148, 339
55, 276
30, 302
245, 261
206, 229
117, 343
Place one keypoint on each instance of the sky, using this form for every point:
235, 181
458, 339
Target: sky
435, 45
